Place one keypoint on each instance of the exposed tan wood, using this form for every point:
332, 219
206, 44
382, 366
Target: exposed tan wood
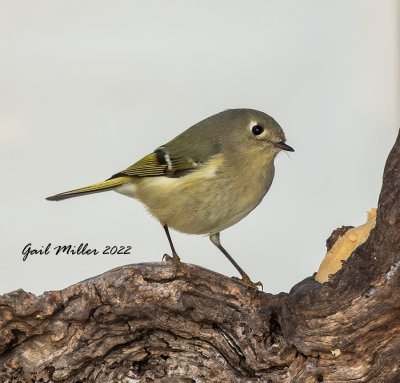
344, 246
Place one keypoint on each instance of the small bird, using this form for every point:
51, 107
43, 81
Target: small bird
206, 179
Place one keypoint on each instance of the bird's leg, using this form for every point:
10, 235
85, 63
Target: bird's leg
180, 270
175, 256
245, 278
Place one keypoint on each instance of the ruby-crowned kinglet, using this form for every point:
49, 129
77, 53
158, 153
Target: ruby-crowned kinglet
207, 178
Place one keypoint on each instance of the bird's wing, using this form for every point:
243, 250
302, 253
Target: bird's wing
159, 163
177, 157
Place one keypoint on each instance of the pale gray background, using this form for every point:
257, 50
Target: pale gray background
88, 87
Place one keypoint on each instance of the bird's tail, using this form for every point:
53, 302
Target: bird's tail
95, 188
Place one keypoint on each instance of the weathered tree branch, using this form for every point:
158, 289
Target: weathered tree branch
145, 323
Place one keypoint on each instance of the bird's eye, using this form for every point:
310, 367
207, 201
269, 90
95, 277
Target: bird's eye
257, 130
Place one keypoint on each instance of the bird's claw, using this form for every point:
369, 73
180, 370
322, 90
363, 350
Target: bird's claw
175, 258
179, 267
246, 281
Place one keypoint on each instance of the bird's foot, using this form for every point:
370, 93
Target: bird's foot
179, 266
175, 258
246, 281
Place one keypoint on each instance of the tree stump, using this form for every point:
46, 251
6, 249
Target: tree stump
146, 323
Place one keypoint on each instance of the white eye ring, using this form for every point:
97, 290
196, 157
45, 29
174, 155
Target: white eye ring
256, 129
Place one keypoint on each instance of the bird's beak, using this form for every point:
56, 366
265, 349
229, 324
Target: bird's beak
281, 145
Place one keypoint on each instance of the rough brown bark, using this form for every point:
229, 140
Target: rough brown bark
145, 323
